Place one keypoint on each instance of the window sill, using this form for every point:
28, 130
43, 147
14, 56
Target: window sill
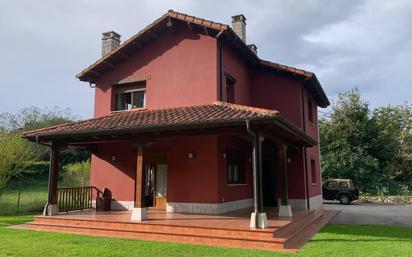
235, 185
315, 184
132, 110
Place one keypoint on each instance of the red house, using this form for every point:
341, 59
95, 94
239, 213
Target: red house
188, 119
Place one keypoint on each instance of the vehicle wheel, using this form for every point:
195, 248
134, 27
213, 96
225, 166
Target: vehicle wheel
344, 199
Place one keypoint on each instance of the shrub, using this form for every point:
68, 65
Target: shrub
76, 174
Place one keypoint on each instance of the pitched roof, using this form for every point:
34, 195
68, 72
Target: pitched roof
120, 53
141, 121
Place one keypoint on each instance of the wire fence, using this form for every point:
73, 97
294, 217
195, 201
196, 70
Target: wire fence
24, 195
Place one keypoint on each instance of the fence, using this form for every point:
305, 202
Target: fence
24, 194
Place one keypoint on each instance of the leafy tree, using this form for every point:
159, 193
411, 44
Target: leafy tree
395, 123
32, 118
14, 156
76, 174
368, 147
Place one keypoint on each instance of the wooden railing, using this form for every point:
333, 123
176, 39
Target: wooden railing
76, 198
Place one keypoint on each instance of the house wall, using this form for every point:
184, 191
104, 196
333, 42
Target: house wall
236, 67
271, 91
234, 192
312, 129
182, 70
189, 180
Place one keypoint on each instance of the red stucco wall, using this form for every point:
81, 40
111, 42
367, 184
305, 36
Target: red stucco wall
272, 91
236, 67
233, 192
189, 180
182, 70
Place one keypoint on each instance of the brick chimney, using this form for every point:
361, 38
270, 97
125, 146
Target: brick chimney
239, 26
110, 41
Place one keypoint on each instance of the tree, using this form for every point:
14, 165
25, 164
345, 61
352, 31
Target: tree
395, 122
368, 147
14, 156
32, 118
344, 138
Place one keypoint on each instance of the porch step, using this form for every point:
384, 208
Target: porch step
294, 227
145, 227
171, 236
288, 237
305, 234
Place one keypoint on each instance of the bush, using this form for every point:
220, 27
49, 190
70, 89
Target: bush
37, 167
76, 174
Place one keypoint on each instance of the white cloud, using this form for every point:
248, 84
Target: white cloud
347, 43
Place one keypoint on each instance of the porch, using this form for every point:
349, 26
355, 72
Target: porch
200, 138
228, 230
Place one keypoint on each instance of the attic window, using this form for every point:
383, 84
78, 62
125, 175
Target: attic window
130, 97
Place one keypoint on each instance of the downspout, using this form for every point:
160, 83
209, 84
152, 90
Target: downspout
305, 157
255, 168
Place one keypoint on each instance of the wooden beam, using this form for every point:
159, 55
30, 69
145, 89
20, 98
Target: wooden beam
123, 54
189, 25
109, 64
283, 167
139, 195
53, 174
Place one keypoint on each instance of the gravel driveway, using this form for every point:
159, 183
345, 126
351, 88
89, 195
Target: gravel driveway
368, 213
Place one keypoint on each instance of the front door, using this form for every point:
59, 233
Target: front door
160, 189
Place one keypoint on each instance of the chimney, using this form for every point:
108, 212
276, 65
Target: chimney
253, 47
239, 26
110, 41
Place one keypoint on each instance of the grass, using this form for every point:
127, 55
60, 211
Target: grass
332, 241
33, 195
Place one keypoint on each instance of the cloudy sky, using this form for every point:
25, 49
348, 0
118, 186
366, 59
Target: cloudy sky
367, 44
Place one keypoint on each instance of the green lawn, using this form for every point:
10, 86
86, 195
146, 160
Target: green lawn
368, 241
33, 195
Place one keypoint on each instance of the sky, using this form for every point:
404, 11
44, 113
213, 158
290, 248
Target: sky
361, 43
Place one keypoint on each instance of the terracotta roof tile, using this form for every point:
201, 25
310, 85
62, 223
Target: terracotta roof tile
209, 114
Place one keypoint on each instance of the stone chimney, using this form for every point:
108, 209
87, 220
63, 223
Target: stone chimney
253, 47
239, 26
110, 41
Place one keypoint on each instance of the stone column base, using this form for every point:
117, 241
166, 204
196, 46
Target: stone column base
139, 214
262, 221
285, 211
51, 209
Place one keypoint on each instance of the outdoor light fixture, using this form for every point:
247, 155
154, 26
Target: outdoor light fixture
114, 157
224, 155
191, 155
289, 160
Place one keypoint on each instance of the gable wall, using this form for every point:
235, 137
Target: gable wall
182, 70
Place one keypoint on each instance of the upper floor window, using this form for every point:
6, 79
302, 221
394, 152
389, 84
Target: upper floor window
310, 111
230, 89
131, 97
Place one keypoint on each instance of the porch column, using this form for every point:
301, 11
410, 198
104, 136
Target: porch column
284, 209
52, 207
139, 212
258, 218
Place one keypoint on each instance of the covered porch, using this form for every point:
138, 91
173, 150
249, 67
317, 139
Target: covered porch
141, 129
